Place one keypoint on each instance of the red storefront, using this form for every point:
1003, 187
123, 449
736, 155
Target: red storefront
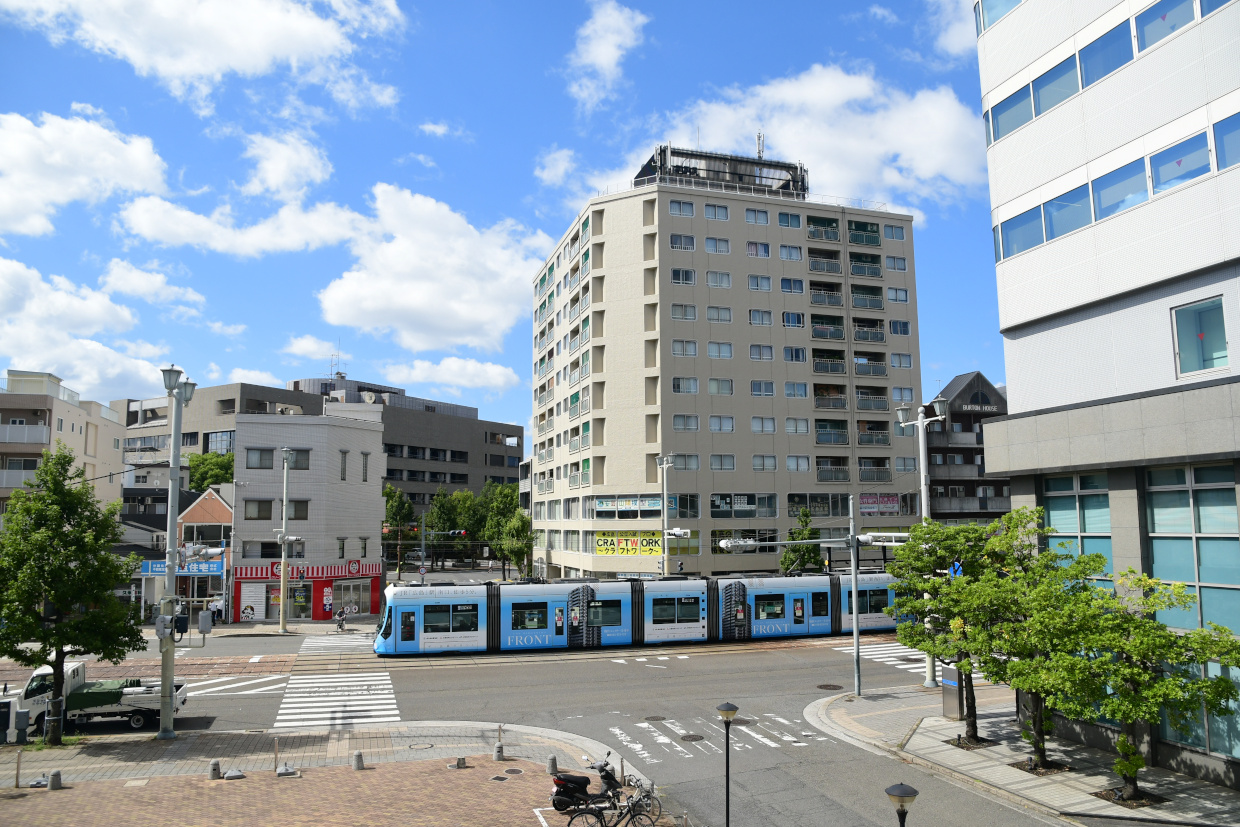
315, 592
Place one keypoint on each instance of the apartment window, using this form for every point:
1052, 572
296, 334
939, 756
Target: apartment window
340, 541
794, 319
1106, 54
1200, 337
1227, 141
798, 464
682, 242
714, 278
719, 387
456, 456
893, 232
258, 509
344, 465
719, 315
189, 440
906, 464
684, 384
362, 541
756, 217
1055, 86
1161, 20
790, 220
762, 318
299, 509
764, 462
220, 442
1021, 233
688, 507
717, 212
259, 458
796, 390
902, 394
723, 462
684, 312
299, 460
758, 249
1120, 190
788, 252
682, 276
1011, 113
898, 327
955, 459
1068, 212
719, 350
721, 425
794, 354
684, 208
793, 425
116, 444
897, 294
792, 285
684, 347
366, 467
762, 424
761, 353
936, 459
60, 424
898, 263
762, 283
1181, 163
901, 360
685, 462
718, 245
760, 388
685, 422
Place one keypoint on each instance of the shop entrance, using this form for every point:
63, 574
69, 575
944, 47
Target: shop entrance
352, 595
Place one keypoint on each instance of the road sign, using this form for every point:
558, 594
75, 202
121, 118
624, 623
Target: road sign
671, 503
422, 570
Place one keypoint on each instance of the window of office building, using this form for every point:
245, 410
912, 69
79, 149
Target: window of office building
684, 422
682, 276
718, 245
721, 424
1078, 507
1181, 163
716, 212
1200, 337
1161, 20
719, 350
1055, 86
1227, 141
1119, 190
714, 278
681, 208
1106, 54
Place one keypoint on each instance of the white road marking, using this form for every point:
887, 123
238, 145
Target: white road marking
226, 690
338, 701
256, 659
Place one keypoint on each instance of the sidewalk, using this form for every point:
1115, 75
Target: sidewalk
270, 628
906, 723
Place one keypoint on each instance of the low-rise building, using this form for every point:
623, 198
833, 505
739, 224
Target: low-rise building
960, 491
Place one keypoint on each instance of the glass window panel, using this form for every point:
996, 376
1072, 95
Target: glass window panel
1058, 484
1181, 618
1218, 560
1227, 137
1221, 606
993, 10
1216, 511
1181, 163
1106, 54
1160, 20
1120, 190
1066, 545
1193, 734
1200, 336
1165, 476
1169, 512
1068, 212
1098, 545
1208, 6
986, 125
998, 248
1061, 514
1096, 513
1225, 729
1173, 559
1056, 86
1022, 232
1094, 482
1011, 113
1207, 474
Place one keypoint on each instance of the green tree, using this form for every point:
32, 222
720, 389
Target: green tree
470, 518
398, 514
933, 571
206, 470
57, 575
801, 558
517, 544
504, 504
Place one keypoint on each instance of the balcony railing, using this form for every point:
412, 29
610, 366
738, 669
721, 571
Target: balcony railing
542, 457
869, 334
954, 472
872, 270
825, 265
868, 302
875, 474
824, 233
574, 343
868, 239
15, 479
585, 440
574, 480
550, 454
831, 402
27, 434
872, 403
831, 437
830, 366
873, 437
827, 331
574, 311
947, 505
574, 411
585, 477
870, 369
574, 445
827, 298
573, 377
832, 474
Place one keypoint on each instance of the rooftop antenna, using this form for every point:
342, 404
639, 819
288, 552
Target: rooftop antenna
760, 145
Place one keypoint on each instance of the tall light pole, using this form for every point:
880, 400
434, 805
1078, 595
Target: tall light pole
727, 711
665, 463
940, 408
180, 392
285, 453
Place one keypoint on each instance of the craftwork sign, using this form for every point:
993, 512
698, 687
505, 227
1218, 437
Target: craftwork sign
628, 543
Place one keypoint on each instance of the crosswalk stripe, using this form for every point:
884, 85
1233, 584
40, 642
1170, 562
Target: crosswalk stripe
338, 701
222, 690
338, 643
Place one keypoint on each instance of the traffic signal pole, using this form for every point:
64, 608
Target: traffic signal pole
422, 566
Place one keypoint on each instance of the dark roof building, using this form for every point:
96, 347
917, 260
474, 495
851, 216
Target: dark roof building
960, 491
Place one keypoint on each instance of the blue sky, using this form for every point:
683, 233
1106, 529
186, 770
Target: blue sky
246, 186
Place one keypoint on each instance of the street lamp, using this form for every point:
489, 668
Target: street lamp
180, 392
727, 712
902, 413
284, 538
903, 796
665, 462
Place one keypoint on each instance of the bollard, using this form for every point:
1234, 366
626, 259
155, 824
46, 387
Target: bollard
17, 780
276, 765
53, 780
499, 752
460, 764
621, 769
552, 766
213, 770
357, 760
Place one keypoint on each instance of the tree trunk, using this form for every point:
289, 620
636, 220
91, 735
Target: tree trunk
400, 555
52, 726
1037, 728
1130, 755
970, 708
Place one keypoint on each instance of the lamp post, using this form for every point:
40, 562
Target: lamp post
727, 712
285, 453
903, 796
665, 462
902, 412
180, 392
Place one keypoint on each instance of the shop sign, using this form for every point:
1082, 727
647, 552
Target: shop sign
627, 503
628, 543
872, 504
159, 568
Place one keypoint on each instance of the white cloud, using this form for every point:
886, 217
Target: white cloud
433, 279
150, 285
425, 160
254, 377
309, 347
192, 45
611, 32
954, 26
439, 130
454, 372
554, 166
284, 165
46, 324
226, 329
60, 160
213, 371
883, 14
141, 349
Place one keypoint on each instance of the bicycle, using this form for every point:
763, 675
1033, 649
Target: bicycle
645, 797
626, 814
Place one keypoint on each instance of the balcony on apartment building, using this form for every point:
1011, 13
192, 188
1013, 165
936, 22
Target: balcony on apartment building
825, 261
25, 435
868, 330
830, 397
956, 471
946, 438
829, 361
831, 469
831, 431
874, 469
873, 433
867, 363
940, 506
15, 477
822, 229
867, 297
872, 399
826, 294
826, 327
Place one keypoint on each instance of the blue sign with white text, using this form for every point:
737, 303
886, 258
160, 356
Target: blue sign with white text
158, 568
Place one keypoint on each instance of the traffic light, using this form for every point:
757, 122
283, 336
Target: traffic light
680, 565
460, 533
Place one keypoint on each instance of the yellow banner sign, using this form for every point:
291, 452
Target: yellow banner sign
628, 542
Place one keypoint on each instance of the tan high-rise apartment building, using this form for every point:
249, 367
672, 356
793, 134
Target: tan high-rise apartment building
760, 338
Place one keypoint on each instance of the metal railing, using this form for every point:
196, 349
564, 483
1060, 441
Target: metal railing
869, 334
868, 239
744, 189
831, 437
574, 480
574, 445
826, 297
585, 477
31, 434
829, 366
574, 411
830, 474
873, 437
870, 369
875, 474
833, 402
869, 302
15, 478
872, 403
825, 265
823, 233
873, 270
827, 331
585, 440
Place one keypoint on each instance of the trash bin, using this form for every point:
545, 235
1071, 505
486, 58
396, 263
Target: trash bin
6, 714
953, 694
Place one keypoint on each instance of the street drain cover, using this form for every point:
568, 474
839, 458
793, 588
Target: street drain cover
829, 687
691, 738
656, 718
742, 721
421, 746
499, 778
514, 771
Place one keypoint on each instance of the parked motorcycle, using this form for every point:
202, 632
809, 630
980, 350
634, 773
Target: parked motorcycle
573, 791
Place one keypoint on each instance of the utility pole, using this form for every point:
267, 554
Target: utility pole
285, 453
665, 462
422, 565
854, 547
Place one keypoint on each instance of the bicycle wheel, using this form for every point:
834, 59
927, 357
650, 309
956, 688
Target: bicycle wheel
652, 806
640, 820
587, 818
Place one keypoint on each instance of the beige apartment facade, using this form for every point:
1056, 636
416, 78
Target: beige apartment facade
760, 338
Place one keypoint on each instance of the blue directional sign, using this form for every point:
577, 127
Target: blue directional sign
158, 568
956, 570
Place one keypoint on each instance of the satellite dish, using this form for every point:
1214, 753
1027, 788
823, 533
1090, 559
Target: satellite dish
369, 396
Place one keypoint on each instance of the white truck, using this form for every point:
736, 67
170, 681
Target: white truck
136, 699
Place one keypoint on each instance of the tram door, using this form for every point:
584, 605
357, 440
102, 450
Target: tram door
406, 629
799, 611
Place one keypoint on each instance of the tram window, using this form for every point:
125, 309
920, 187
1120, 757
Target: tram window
688, 610
878, 601
769, 606
820, 604
437, 619
529, 616
663, 610
603, 613
408, 626
465, 617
